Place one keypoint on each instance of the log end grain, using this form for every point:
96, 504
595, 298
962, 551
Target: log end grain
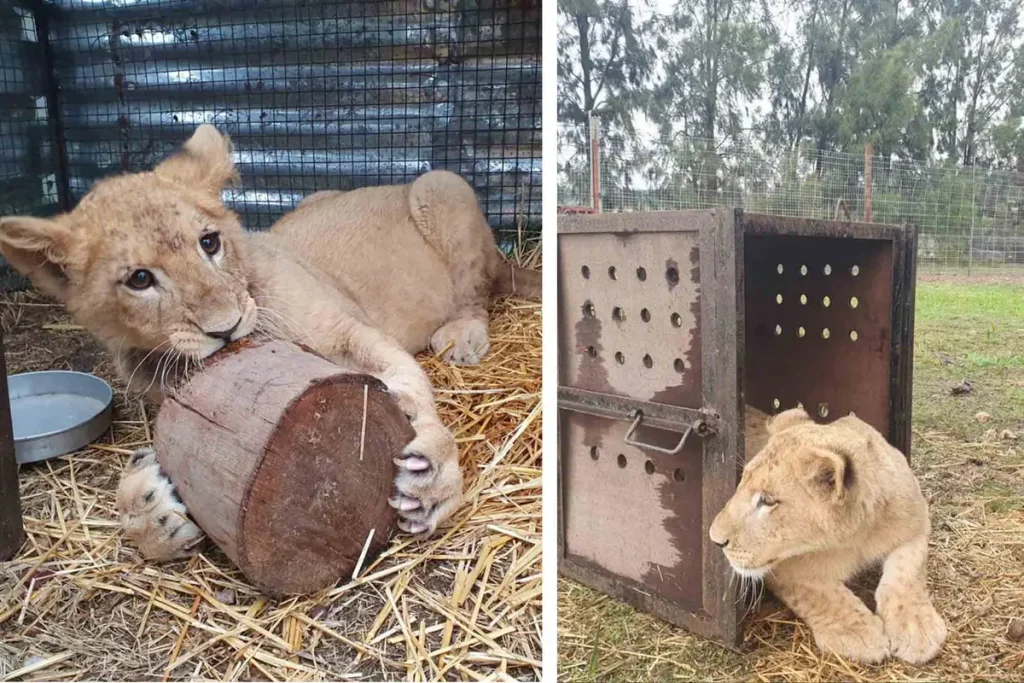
322, 488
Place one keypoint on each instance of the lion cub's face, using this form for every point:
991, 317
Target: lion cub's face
787, 500
150, 261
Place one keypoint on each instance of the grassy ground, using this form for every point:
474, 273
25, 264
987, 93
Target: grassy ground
972, 471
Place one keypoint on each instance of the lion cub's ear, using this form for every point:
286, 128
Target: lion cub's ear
829, 473
204, 163
38, 248
788, 419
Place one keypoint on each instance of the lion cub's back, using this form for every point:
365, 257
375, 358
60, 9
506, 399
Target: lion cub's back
366, 242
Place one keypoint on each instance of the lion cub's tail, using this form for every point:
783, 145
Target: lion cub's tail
513, 280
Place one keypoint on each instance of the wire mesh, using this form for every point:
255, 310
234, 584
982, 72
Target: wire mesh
28, 163
969, 219
316, 95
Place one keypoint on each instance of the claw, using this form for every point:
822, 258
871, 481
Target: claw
404, 503
413, 463
412, 527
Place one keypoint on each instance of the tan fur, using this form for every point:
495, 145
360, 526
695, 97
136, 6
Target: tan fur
365, 278
840, 499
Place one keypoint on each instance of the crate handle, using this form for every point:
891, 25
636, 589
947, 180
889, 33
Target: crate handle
637, 417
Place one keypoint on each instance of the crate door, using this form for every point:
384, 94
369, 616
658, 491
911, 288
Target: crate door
648, 341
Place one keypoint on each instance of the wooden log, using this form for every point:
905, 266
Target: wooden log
269, 450
12, 531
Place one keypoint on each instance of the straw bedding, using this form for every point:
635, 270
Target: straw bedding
77, 603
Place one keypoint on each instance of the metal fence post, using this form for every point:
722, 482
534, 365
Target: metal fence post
595, 162
970, 239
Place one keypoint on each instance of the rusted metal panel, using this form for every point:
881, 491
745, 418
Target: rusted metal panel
635, 293
815, 333
781, 311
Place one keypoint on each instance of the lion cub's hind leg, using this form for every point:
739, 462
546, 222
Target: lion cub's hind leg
151, 514
840, 622
462, 340
915, 629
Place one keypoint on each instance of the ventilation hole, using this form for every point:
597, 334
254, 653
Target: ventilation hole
803, 299
776, 403
649, 467
648, 361
823, 409
611, 273
779, 269
591, 351
621, 460
855, 271
826, 302
586, 272
825, 334
645, 315
778, 298
827, 269
641, 274
853, 335
854, 302
678, 475
619, 357
672, 275
588, 309
803, 270
679, 365
593, 453
800, 332
677, 320
778, 330
618, 315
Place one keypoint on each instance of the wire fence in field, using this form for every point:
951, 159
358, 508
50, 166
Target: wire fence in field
969, 219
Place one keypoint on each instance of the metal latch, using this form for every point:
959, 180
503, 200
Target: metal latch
638, 416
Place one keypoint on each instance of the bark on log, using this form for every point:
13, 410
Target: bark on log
267, 448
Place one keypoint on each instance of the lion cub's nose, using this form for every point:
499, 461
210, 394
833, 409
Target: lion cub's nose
225, 334
716, 535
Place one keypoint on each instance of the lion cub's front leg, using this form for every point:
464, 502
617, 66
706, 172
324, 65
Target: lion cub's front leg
840, 622
916, 631
152, 515
428, 487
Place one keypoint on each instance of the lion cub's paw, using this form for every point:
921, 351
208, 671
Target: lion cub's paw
152, 515
916, 632
462, 341
865, 642
428, 487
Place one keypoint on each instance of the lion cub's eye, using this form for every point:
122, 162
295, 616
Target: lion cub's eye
140, 279
210, 243
766, 500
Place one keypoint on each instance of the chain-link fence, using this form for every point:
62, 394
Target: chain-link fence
969, 218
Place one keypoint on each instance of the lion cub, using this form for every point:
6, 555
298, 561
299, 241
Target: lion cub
156, 266
815, 506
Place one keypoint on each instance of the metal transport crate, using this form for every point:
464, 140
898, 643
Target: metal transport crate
669, 323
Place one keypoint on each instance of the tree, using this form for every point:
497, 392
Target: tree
974, 72
605, 59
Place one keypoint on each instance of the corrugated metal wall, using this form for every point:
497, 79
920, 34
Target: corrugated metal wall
316, 94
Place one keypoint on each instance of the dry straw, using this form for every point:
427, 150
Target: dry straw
77, 603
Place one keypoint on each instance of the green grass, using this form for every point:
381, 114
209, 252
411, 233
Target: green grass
973, 478
973, 332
